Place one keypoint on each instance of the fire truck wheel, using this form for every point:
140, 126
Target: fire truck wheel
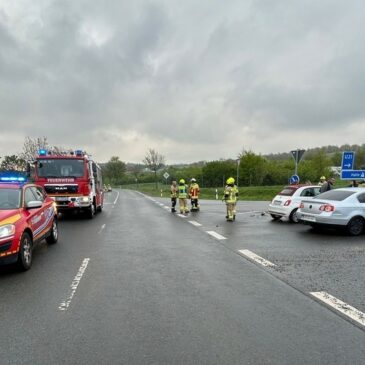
91, 211
53, 236
25, 252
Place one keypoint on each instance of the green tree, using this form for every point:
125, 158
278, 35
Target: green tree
320, 164
252, 168
217, 172
114, 170
13, 162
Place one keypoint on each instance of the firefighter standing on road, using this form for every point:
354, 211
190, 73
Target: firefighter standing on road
230, 197
174, 191
194, 192
183, 196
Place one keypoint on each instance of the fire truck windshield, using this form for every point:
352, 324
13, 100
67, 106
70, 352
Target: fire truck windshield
60, 168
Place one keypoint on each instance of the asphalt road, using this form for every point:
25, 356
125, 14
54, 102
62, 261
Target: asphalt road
140, 285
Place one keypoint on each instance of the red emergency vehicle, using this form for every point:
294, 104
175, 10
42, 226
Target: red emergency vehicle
27, 216
72, 179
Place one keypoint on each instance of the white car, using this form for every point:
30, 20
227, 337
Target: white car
287, 202
343, 207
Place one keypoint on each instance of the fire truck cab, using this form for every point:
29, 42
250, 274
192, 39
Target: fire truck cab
72, 179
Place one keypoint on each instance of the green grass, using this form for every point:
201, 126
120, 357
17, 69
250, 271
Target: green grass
245, 193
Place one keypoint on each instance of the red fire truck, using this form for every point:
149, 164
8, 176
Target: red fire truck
72, 179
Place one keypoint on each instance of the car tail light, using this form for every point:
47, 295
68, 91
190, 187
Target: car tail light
327, 208
287, 203
301, 205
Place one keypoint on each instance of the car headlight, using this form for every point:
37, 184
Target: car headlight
85, 199
6, 231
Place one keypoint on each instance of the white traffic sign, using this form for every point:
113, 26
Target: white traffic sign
166, 175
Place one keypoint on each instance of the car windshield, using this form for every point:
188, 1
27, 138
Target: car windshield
60, 168
337, 195
288, 191
9, 199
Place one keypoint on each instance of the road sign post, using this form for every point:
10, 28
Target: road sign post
297, 155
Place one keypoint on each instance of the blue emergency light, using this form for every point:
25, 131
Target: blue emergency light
42, 152
79, 153
13, 177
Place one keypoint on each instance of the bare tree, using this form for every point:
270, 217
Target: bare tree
154, 161
31, 147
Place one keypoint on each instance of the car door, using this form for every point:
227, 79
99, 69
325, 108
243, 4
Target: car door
35, 216
361, 199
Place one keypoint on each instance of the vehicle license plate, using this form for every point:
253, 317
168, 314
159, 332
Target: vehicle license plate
277, 202
308, 218
61, 198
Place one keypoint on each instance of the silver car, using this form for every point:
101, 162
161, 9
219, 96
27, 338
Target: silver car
343, 207
286, 203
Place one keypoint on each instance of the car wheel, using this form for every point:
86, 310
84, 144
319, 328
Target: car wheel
53, 237
275, 217
91, 211
293, 216
25, 256
355, 226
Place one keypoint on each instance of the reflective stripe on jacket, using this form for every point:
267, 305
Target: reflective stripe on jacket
174, 191
183, 191
230, 194
194, 191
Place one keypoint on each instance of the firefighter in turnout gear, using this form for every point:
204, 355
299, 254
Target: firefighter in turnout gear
194, 192
183, 196
230, 197
174, 191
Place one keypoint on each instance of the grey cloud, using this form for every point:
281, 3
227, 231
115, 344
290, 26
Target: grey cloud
169, 72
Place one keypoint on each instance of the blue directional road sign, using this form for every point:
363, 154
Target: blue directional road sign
352, 174
348, 160
294, 179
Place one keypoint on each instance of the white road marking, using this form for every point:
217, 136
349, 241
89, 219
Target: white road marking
167, 208
116, 199
161, 204
341, 306
256, 258
216, 235
65, 304
251, 212
102, 227
194, 223
181, 215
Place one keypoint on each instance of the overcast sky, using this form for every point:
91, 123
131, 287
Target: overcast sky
195, 80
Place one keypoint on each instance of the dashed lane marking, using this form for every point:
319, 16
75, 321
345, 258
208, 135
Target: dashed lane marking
194, 223
256, 258
181, 215
116, 199
340, 306
65, 304
216, 235
101, 228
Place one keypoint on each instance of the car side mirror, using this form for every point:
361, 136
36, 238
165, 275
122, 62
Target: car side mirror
33, 204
